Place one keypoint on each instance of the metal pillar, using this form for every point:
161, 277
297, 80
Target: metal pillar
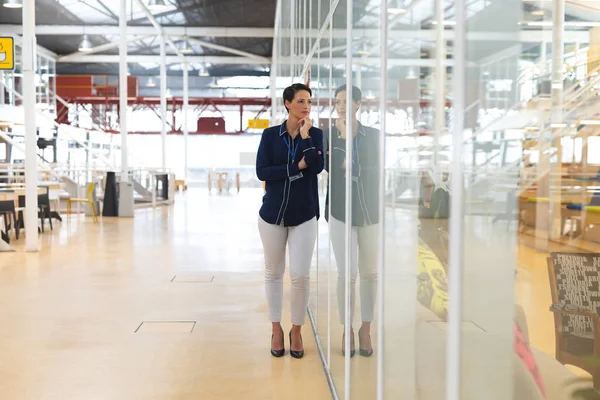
29, 95
186, 131
558, 45
123, 93
292, 40
440, 79
456, 253
383, 82
275, 62
163, 99
349, 184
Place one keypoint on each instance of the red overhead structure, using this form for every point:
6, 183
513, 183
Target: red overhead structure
99, 95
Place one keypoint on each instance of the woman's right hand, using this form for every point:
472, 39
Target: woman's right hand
302, 164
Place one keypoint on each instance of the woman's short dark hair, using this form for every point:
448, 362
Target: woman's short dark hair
356, 93
290, 92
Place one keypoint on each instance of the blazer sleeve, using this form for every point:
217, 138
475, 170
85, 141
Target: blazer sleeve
265, 170
314, 153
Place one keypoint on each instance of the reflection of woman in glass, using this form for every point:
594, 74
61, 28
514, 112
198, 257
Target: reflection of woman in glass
290, 157
365, 213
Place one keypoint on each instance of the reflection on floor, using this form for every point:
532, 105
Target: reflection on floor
170, 305
70, 313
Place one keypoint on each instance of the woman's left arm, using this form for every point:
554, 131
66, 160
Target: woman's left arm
314, 153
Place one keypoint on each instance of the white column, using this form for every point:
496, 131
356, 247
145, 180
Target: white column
275, 62
123, 94
558, 44
349, 184
273, 90
293, 40
186, 101
440, 79
456, 253
29, 95
383, 81
163, 99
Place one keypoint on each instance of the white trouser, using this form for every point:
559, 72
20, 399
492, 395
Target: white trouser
301, 240
364, 242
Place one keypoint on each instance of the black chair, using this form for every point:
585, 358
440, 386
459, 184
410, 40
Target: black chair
43, 212
44, 209
7, 210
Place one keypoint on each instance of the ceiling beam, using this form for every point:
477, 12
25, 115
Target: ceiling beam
159, 29
101, 48
525, 36
226, 49
41, 51
367, 61
141, 30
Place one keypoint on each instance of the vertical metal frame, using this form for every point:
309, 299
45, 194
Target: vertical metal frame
123, 89
292, 40
275, 63
29, 52
163, 98
330, 83
456, 256
440, 79
349, 166
318, 91
383, 82
186, 130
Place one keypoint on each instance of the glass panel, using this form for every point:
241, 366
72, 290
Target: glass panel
337, 197
320, 82
489, 189
362, 98
409, 346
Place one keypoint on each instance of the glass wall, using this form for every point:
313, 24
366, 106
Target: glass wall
458, 256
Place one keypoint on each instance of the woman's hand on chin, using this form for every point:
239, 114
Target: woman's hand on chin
305, 125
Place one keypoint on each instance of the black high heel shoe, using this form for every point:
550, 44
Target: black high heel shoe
277, 353
363, 352
295, 354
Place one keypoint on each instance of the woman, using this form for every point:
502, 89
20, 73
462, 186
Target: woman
290, 157
365, 213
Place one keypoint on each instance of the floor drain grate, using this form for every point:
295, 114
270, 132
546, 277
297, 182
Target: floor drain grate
193, 278
166, 327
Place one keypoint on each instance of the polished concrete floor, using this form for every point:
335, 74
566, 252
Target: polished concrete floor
168, 305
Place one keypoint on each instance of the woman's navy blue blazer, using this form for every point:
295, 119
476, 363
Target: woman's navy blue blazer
292, 196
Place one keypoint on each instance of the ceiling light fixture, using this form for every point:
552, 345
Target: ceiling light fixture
538, 13
411, 74
203, 71
85, 45
185, 46
590, 122
446, 23
13, 4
